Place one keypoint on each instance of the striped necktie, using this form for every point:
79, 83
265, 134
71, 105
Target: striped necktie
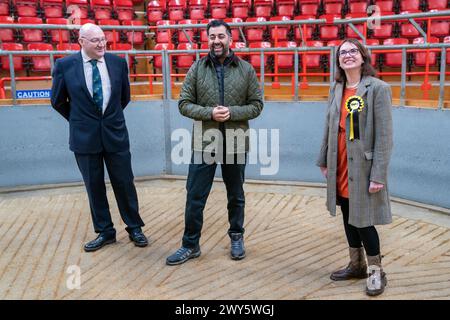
97, 92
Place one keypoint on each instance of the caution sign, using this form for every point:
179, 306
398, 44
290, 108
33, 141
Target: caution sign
33, 94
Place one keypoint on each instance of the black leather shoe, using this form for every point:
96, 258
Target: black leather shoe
101, 241
139, 239
237, 246
182, 255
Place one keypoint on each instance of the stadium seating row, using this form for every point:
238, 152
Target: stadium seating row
184, 61
388, 29
62, 36
176, 10
98, 9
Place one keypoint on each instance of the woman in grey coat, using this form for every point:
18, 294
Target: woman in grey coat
354, 158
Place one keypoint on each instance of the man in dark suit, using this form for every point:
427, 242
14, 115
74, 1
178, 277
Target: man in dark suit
90, 89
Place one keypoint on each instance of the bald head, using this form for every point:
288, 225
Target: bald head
92, 40
88, 29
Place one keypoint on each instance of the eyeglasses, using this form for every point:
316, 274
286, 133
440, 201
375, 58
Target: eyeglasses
96, 41
351, 52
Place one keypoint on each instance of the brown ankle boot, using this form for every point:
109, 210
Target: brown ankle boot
357, 268
377, 280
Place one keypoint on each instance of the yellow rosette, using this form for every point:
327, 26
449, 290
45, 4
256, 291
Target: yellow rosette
354, 105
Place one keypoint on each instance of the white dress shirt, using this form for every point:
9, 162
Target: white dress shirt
106, 83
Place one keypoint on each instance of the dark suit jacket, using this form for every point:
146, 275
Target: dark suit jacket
90, 130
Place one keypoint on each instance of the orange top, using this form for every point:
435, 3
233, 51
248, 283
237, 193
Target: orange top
342, 167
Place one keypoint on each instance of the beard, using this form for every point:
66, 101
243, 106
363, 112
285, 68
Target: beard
221, 54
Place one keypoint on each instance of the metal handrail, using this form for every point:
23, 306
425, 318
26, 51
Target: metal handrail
296, 50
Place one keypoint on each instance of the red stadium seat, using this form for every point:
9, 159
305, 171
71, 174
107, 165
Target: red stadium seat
101, 9
124, 47
312, 60
358, 7
40, 63
333, 8
7, 35
420, 58
4, 8
394, 59
78, 9
68, 47
385, 5
219, 9
255, 57
235, 34
109, 34
164, 35
407, 29
329, 32
124, 9
263, 8
286, 60
447, 54
436, 4
280, 33
255, 33
155, 11
197, 9
309, 28
135, 37
176, 9
58, 36
52, 8
440, 28
385, 30
359, 26
31, 35
238, 45
409, 5
309, 7
189, 32
205, 46
18, 60
26, 8
157, 61
185, 61
286, 7
373, 56
240, 8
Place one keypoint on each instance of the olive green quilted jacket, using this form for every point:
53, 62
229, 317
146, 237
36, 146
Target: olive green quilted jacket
200, 94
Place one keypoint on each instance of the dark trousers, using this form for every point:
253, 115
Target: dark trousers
199, 183
357, 237
121, 175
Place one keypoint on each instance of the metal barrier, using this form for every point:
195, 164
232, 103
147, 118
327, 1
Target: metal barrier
167, 74
166, 54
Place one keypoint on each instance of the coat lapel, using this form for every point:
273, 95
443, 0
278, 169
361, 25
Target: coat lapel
362, 87
338, 96
80, 75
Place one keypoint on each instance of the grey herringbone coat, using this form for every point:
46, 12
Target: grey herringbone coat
368, 157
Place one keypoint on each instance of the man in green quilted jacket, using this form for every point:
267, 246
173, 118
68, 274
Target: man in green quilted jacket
220, 93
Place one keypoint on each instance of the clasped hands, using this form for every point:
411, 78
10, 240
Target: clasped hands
221, 114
